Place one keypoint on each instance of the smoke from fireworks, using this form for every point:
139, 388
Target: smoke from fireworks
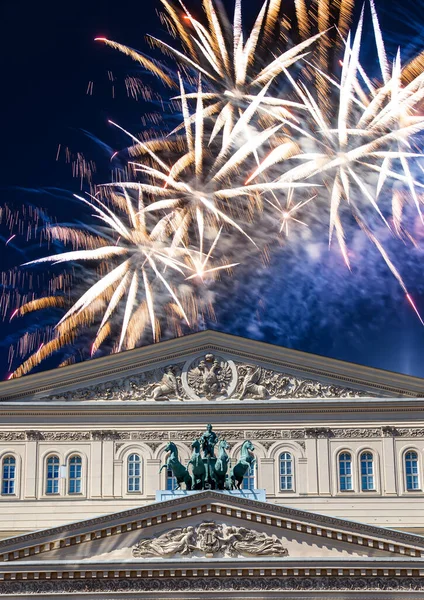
281, 129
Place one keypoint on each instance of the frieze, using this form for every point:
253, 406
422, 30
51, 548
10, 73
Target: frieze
414, 432
210, 539
257, 383
271, 435
11, 436
150, 435
208, 377
212, 584
110, 435
154, 384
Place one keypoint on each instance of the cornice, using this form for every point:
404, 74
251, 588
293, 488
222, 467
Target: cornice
291, 361
307, 406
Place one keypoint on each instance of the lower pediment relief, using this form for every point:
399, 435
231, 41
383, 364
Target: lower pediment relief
210, 539
200, 539
205, 378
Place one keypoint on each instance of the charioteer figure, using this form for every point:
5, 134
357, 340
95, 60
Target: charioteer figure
208, 440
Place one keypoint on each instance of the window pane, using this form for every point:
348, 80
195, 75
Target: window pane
52, 482
8, 475
411, 470
75, 475
134, 470
286, 471
367, 471
345, 471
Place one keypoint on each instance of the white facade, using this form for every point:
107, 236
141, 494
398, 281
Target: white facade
330, 438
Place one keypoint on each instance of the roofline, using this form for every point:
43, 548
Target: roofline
281, 511
294, 362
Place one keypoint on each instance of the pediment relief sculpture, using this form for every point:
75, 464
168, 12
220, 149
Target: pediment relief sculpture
209, 377
210, 539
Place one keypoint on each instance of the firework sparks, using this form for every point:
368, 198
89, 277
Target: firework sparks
261, 125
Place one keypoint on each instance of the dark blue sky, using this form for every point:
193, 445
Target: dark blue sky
49, 57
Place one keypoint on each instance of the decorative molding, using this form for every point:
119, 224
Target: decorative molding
210, 539
12, 436
187, 435
208, 377
257, 383
109, 435
107, 584
377, 382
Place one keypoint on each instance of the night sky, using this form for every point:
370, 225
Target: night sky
48, 59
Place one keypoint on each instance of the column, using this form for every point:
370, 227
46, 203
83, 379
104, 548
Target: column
388, 467
96, 469
107, 468
311, 467
323, 467
30, 470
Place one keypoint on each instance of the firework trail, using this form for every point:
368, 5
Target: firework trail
282, 129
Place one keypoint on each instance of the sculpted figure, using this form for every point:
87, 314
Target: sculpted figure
198, 467
250, 385
239, 540
208, 440
168, 386
247, 459
176, 541
178, 469
221, 465
210, 378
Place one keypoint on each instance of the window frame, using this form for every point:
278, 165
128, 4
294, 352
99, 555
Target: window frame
350, 475
53, 479
78, 478
138, 476
286, 475
373, 473
9, 456
405, 474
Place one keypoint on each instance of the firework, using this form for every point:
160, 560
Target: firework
280, 131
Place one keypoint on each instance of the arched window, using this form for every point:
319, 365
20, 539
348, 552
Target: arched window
171, 482
52, 476
8, 476
367, 472
345, 471
134, 473
75, 475
286, 471
411, 471
249, 480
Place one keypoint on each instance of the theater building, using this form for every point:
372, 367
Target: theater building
334, 507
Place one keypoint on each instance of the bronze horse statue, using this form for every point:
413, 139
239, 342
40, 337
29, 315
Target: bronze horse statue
173, 463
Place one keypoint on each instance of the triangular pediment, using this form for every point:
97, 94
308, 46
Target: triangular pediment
209, 366
213, 525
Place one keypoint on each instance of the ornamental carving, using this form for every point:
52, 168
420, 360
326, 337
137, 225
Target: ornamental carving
156, 585
161, 383
210, 539
110, 435
12, 436
209, 377
257, 383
